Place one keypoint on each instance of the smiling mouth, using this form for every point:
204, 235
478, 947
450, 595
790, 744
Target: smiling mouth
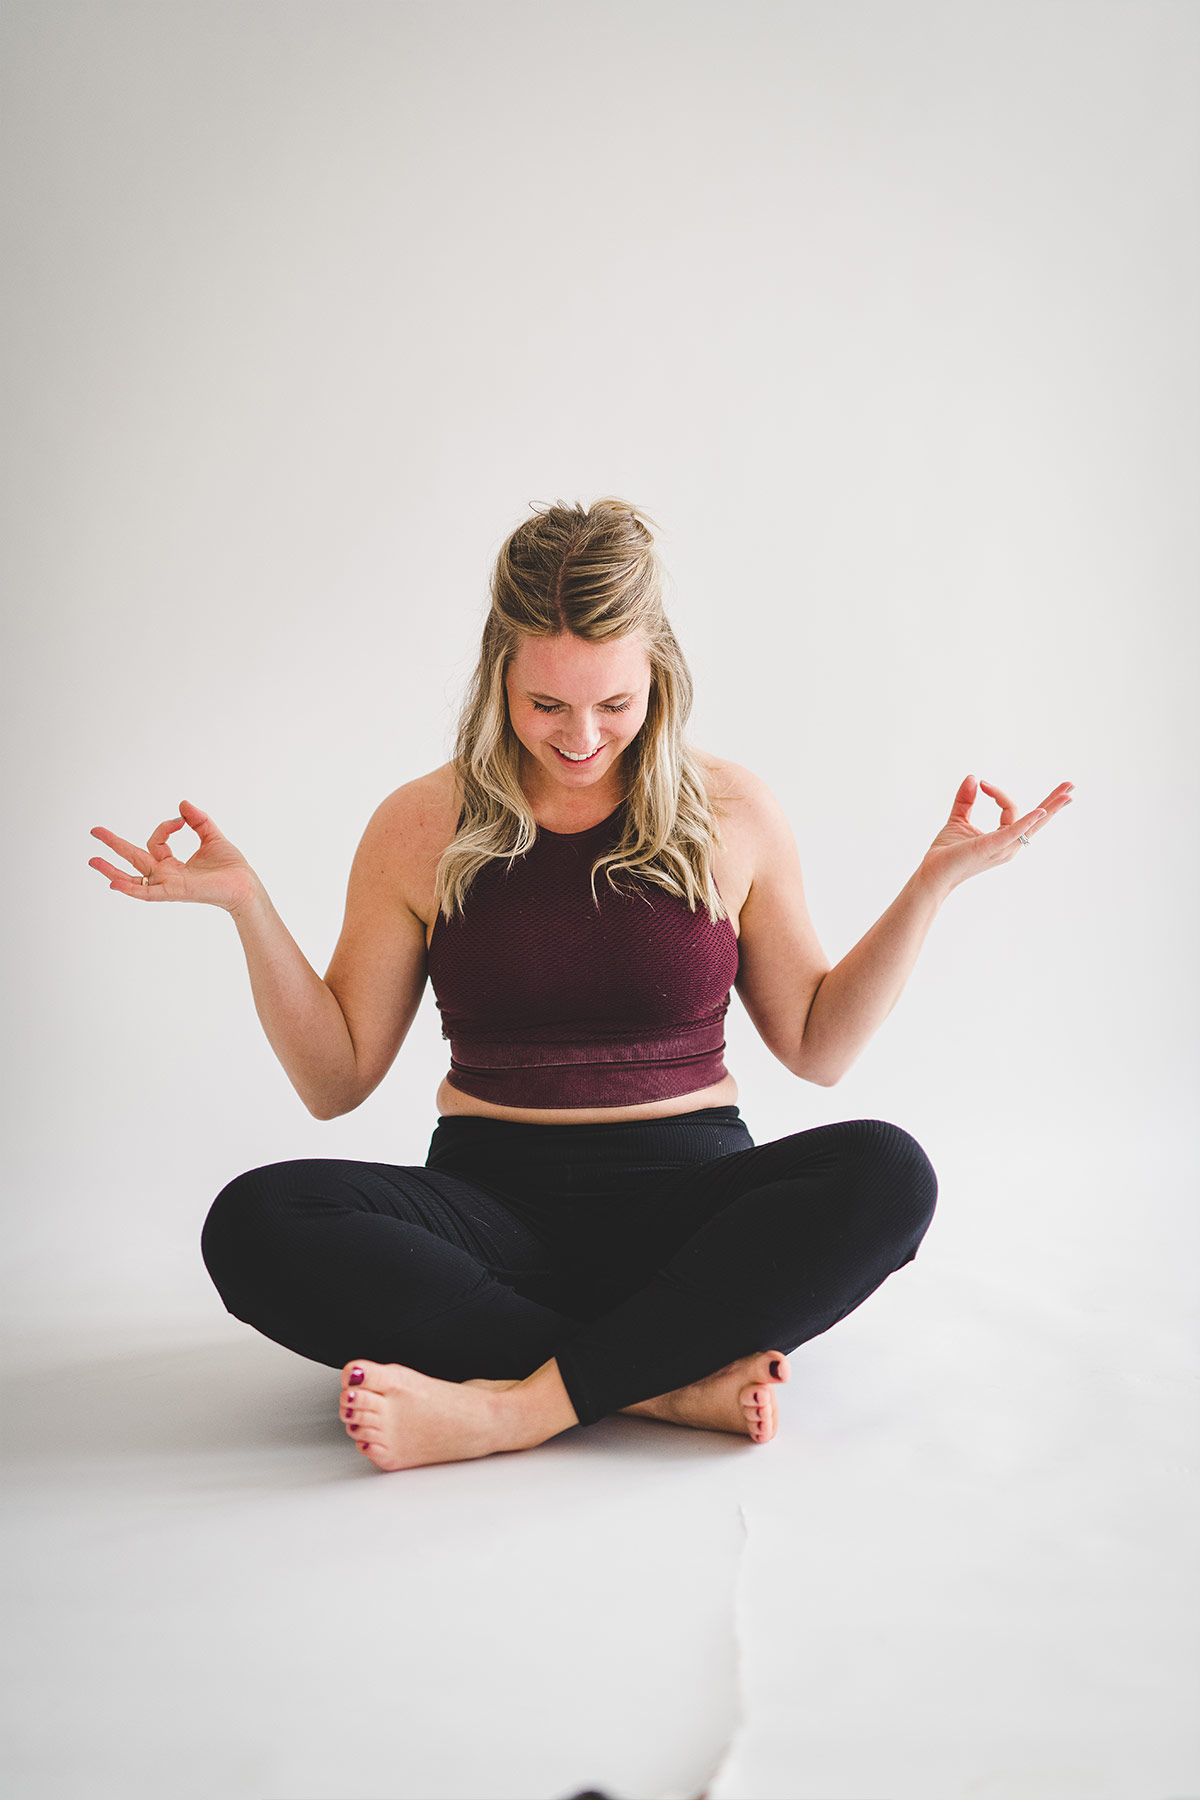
577, 762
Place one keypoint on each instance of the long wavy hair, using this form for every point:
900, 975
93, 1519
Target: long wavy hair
597, 574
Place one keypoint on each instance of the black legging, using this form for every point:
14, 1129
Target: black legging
642, 1256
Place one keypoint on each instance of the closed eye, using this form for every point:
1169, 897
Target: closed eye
539, 707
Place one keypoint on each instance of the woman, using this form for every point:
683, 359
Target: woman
594, 1229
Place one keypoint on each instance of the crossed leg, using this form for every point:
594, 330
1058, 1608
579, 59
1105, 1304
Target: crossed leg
323, 1256
400, 1418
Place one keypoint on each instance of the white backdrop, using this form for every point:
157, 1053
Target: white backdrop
886, 313
883, 312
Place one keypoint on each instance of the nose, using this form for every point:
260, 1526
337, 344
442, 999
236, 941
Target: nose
579, 739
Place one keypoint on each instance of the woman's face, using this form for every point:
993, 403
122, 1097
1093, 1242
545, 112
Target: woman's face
575, 706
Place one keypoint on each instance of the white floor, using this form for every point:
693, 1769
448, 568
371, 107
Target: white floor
964, 1570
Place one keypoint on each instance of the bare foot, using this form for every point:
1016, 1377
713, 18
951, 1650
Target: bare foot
400, 1418
740, 1397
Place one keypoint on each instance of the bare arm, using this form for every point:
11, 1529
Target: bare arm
815, 1018
832, 1016
335, 1038
858, 993
304, 1023
338, 1037
306, 1026
781, 964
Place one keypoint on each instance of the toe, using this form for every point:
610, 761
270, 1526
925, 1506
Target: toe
379, 1378
758, 1404
360, 1400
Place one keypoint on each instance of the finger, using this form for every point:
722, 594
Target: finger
1002, 800
124, 883
1029, 823
131, 852
1051, 806
158, 839
106, 868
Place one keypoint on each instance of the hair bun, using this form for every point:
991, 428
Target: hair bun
613, 503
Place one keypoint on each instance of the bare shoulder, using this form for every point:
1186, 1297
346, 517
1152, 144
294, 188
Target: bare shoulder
423, 803
747, 809
408, 832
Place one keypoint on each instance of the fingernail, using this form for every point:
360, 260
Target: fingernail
357, 1375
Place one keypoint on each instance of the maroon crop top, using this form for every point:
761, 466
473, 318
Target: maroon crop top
548, 1002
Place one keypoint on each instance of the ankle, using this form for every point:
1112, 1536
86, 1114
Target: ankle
540, 1405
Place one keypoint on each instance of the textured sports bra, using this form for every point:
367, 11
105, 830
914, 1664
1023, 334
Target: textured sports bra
548, 1001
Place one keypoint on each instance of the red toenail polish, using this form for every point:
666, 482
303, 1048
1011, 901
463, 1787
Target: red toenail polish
357, 1375
775, 1367
354, 1428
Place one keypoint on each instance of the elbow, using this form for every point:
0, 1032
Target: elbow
329, 1109
818, 1077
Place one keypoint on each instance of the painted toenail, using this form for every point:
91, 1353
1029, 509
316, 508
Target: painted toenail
354, 1428
775, 1367
357, 1375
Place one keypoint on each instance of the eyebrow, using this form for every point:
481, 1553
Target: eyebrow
532, 696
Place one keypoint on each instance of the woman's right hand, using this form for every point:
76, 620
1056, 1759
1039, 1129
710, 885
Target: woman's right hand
216, 875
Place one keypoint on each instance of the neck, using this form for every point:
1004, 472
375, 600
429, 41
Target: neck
562, 808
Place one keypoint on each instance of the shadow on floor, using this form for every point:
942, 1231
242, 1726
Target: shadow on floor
246, 1396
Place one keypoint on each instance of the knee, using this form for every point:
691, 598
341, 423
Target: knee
237, 1222
893, 1167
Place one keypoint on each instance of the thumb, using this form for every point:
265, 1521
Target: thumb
199, 821
965, 798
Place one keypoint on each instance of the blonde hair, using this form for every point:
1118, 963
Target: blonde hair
596, 574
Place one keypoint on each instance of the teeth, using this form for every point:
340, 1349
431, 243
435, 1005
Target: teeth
572, 758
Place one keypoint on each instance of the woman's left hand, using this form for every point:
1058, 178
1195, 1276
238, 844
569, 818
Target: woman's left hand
960, 850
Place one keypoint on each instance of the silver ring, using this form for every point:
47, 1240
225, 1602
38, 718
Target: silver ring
1021, 838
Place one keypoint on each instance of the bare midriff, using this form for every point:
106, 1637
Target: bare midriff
451, 1100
